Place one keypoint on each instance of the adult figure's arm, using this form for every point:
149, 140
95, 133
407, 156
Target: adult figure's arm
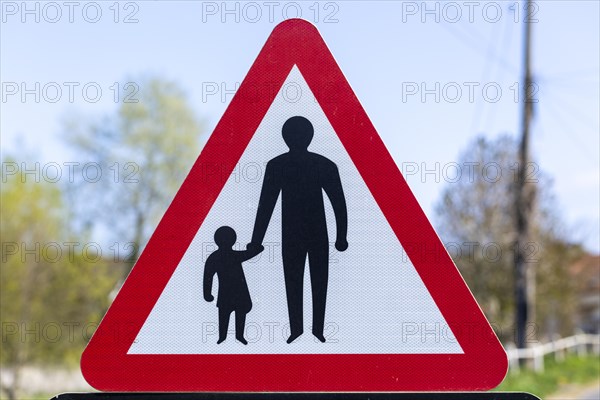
333, 187
268, 198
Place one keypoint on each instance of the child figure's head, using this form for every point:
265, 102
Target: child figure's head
225, 237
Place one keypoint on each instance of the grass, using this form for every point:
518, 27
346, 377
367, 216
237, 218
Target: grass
574, 370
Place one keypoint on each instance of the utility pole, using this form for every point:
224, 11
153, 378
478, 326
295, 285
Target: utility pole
524, 273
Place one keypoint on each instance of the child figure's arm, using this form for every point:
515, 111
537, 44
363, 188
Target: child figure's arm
209, 272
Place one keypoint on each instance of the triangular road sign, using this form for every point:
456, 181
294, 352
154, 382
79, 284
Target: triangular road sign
392, 309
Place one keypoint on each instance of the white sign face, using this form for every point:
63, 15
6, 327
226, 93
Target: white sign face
376, 302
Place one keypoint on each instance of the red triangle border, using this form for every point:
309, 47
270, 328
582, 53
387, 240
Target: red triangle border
105, 362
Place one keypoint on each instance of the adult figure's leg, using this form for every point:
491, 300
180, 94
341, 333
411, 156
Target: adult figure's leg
294, 259
240, 324
318, 261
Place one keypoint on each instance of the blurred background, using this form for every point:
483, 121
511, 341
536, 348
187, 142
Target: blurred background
490, 109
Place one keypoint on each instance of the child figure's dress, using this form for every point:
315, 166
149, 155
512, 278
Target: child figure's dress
233, 289
233, 293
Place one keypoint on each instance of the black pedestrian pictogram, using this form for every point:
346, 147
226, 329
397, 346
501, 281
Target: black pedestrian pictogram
233, 294
301, 177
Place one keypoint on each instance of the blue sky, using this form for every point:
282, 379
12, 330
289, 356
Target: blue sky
385, 48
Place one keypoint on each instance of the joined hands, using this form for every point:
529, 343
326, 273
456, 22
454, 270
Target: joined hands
255, 247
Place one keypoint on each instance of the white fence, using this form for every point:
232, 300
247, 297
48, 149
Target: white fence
36, 380
580, 344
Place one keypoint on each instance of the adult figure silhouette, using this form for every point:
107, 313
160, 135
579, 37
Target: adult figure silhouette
301, 176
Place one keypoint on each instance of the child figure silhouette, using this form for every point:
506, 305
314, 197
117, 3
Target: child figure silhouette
233, 290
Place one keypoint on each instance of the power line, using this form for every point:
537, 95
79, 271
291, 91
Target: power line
570, 133
478, 45
577, 74
508, 28
487, 70
575, 112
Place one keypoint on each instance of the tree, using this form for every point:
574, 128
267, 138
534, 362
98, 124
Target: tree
147, 149
49, 289
133, 162
476, 216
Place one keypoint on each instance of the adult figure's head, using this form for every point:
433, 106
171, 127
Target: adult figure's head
297, 133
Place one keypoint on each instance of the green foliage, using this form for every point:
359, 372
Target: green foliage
51, 303
48, 291
476, 214
149, 146
574, 370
